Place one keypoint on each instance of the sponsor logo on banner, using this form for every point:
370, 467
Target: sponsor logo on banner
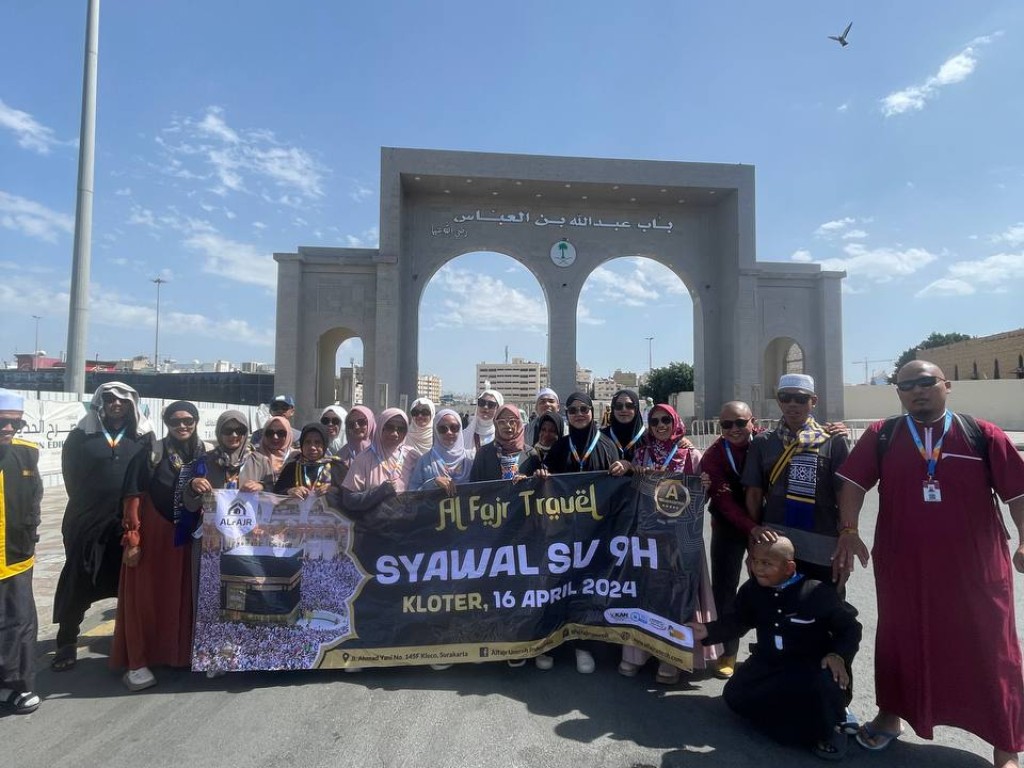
677, 634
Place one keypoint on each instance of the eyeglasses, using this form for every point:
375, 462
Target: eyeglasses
924, 382
355, 424
109, 398
483, 403
18, 424
277, 434
399, 428
728, 424
572, 410
507, 422
419, 412
327, 421
235, 431
626, 406
444, 429
185, 421
790, 397
656, 420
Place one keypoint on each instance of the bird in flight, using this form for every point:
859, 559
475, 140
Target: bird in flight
842, 38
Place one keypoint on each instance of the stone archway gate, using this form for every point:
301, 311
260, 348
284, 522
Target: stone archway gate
561, 217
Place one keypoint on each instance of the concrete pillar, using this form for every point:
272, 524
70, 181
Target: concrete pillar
562, 346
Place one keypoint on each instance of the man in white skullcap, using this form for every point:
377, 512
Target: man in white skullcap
791, 482
21, 491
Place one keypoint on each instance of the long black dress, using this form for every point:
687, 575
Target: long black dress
782, 688
93, 476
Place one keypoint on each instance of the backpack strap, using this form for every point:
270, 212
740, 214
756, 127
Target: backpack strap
885, 435
972, 431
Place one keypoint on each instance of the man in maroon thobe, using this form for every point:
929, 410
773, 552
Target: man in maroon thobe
946, 651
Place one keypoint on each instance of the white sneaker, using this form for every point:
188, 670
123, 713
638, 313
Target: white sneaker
440, 667
544, 662
139, 679
584, 662
514, 663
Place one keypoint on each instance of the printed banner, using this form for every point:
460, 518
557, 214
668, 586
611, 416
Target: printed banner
499, 571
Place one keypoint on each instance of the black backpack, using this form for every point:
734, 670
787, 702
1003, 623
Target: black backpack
972, 431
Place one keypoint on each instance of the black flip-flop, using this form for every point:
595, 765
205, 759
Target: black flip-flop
834, 748
65, 658
22, 702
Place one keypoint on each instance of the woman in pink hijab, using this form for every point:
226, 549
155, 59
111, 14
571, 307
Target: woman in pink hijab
384, 468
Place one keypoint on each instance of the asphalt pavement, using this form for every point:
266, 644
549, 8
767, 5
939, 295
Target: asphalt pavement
473, 715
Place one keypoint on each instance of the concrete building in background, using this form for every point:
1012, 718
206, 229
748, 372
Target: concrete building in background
562, 218
429, 386
626, 380
349, 385
1000, 356
518, 380
604, 389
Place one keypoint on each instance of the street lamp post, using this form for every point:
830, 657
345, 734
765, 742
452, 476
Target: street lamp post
650, 355
35, 349
156, 343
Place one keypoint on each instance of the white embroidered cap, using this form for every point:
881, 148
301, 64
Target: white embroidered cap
800, 381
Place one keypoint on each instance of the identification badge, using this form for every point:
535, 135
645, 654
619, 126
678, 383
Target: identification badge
778, 642
932, 492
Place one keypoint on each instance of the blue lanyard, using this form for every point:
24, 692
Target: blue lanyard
631, 443
113, 441
729, 456
668, 458
933, 459
590, 448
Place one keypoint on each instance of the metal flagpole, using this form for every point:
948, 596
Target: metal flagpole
78, 309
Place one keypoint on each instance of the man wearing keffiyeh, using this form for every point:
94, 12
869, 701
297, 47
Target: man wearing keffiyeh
791, 482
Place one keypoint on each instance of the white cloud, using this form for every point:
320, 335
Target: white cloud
993, 271
479, 301
946, 287
854, 234
879, 265
33, 219
952, 71
360, 193
833, 228
369, 238
240, 160
1013, 236
633, 282
584, 316
241, 262
801, 255
30, 132
843, 107
123, 192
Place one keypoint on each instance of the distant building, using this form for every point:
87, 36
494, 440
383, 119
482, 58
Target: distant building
1000, 356
429, 386
350, 386
584, 378
604, 389
626, 379
518, 381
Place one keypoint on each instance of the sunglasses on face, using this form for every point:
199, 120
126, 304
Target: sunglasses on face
573, 410
728, 424
486, 403
656, 420
327, 421
507, 422
109, 399
235, 431
397, 428
18, 424
185, 421
444, 429
924, 382
276, 434
419, 412
358, 423
789, 397
626, 406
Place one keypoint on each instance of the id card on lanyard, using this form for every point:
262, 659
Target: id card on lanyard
931, 452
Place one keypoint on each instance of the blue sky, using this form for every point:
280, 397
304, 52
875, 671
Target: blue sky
225, 136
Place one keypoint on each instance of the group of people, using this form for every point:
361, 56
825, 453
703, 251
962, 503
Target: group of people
784, 501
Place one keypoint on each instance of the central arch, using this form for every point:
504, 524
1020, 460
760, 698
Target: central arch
561, 218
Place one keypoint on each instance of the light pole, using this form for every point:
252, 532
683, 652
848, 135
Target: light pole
156, 343
650, 355
35, 349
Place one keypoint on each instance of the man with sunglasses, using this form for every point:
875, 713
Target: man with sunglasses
21, 491
731, 526
791, 481
946, 650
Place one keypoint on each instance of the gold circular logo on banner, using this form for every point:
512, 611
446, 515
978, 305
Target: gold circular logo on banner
671, 497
